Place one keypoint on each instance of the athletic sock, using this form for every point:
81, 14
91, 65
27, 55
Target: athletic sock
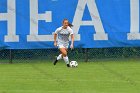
66, 59
59, 57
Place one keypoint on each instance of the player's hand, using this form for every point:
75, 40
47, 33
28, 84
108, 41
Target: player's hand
71, 46
55, 44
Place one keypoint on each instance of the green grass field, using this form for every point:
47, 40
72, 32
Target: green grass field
121, 76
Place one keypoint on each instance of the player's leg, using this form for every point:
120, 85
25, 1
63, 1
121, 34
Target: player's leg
58, 58
65, 57
60, 55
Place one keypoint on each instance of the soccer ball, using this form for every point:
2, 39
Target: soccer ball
73, 64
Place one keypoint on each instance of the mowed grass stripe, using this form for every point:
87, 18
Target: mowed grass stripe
92, 77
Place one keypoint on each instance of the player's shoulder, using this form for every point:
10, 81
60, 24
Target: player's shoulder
69, 28
59, 28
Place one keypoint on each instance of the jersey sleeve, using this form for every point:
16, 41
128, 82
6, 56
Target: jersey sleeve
71, 31
56, 31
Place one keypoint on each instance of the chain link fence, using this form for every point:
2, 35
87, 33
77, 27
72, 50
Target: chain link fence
78, 54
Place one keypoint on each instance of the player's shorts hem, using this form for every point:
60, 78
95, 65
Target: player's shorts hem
62, 46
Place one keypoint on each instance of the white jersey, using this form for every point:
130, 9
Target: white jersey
63, 35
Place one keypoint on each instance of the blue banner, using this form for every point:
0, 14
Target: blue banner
29, 24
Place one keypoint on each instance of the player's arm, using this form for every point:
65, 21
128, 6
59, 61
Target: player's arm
72, 41
55, 36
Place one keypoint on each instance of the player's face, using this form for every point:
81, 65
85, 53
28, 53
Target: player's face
65, 24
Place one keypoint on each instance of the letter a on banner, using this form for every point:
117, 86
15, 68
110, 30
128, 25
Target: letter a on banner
96, 21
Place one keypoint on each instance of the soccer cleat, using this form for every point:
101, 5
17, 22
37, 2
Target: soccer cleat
68, 65
55, 62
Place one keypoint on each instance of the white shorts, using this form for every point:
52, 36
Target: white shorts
63, 46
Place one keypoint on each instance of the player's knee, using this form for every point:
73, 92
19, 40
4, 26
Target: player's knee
64, 54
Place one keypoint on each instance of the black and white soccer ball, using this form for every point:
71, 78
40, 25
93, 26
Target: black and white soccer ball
73, 64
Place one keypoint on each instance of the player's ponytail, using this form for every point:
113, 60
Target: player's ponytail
70, 25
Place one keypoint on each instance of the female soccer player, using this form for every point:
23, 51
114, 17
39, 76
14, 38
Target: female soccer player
62, 41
